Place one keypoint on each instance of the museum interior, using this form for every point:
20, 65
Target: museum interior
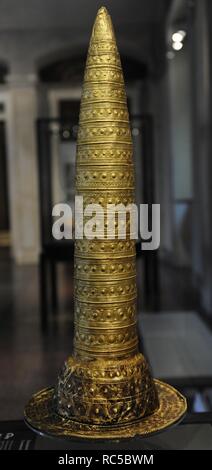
165, 48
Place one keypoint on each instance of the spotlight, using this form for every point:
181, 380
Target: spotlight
178, 36
177, 46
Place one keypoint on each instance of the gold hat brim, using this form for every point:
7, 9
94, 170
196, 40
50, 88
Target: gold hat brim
41, 417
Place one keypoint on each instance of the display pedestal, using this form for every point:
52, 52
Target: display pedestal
194, 433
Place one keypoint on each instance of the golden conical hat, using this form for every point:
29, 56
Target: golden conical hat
105, 389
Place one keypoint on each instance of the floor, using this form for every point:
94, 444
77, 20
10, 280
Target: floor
186, 437
177, 342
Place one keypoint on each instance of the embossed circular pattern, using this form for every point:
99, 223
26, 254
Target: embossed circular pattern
107, 341
104, 59
100, 47
103, 178
100, 315
103, 75
107, 292
105, 370
98, 154
40, 414
102, 249
104, 198
106, 114
107, 393
118, 268
92, 94
104, 133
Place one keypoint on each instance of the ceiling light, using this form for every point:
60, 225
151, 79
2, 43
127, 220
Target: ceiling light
178, 36
177, 46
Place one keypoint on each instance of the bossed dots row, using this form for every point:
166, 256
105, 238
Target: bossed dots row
85, 153
107, 200
86, 132
84, 313
108, 373
107, 290
92, 246
104, 196
99, 339
93, 114
102, 74
104, 94
103, 175
104, 268
134, 367
107, 388
112, 59
111, 290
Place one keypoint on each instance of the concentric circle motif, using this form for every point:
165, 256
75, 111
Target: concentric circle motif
42, 418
